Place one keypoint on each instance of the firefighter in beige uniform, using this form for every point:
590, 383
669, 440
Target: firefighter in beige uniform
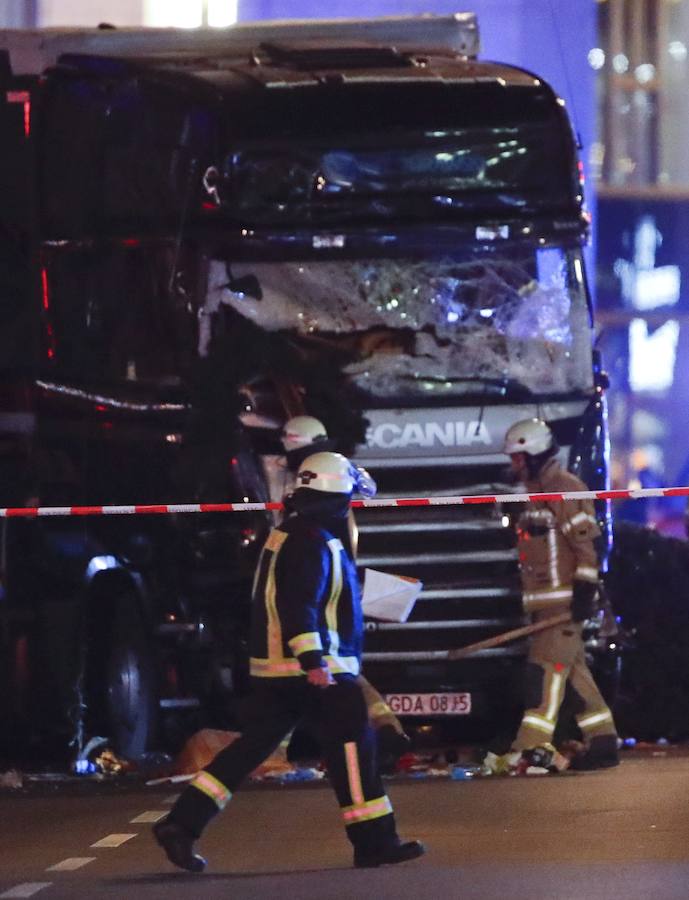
559, 572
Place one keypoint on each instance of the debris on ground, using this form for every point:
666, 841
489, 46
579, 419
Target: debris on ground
542, 760
463, 773
97, 758
110, 764
455, 763
441, 764
205, 744
293, 774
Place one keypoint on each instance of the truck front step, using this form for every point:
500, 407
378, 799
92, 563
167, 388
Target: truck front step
444, 624
431, 559
438, 655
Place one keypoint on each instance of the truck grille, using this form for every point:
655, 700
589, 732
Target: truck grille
467, 560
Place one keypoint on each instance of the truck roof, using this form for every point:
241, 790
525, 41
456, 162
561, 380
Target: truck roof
32, 51
271, 104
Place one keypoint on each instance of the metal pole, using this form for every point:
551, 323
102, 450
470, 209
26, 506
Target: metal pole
508, 636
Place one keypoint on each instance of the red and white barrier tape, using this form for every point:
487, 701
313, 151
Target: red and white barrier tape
169, 508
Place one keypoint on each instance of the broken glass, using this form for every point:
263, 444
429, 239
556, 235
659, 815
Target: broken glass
497, 315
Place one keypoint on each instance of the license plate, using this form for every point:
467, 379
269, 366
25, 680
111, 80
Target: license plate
429, 704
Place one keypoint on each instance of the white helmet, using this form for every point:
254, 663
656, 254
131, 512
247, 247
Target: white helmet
328, 472
300, 431
529, 436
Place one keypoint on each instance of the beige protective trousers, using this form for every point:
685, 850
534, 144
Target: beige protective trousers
556, 657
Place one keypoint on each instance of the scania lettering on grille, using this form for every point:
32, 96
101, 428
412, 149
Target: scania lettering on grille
389, 436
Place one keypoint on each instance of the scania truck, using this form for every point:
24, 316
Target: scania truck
204, 232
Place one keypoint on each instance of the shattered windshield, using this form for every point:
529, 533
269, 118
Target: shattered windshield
493, 318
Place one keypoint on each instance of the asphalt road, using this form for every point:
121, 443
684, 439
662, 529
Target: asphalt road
617, 833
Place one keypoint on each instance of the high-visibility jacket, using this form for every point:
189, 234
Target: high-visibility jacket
306, 604
555, 542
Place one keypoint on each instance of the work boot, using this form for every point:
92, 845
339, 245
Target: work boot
178, 844
389, 854
600, 754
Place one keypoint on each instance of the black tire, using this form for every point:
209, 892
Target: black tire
16, 709
131, 693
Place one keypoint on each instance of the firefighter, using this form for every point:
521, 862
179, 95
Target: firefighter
302, 436
559, 572
306, 636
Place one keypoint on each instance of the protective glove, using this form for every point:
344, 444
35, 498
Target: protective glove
583, 600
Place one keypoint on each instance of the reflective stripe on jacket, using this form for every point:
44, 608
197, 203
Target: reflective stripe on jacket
306, 606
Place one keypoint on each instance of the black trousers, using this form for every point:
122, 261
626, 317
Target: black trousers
338, 717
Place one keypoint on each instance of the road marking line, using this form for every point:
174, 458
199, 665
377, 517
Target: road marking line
27, 889
151, 815
71, 864
113, 840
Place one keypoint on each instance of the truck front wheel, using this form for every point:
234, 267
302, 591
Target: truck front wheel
131, 695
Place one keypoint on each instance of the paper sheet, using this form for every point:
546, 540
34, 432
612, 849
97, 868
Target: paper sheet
389, 597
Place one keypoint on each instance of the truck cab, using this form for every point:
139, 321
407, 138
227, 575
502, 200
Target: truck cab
207, 233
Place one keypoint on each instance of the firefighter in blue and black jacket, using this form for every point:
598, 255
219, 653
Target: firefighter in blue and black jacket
306, 638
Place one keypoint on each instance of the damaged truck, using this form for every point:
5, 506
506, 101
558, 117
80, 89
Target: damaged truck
204, 233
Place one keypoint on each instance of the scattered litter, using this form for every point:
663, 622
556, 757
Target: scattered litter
81, 764
98, 759
542, 760
205, 744
462, 773
109, 763
292, 775
499, 764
